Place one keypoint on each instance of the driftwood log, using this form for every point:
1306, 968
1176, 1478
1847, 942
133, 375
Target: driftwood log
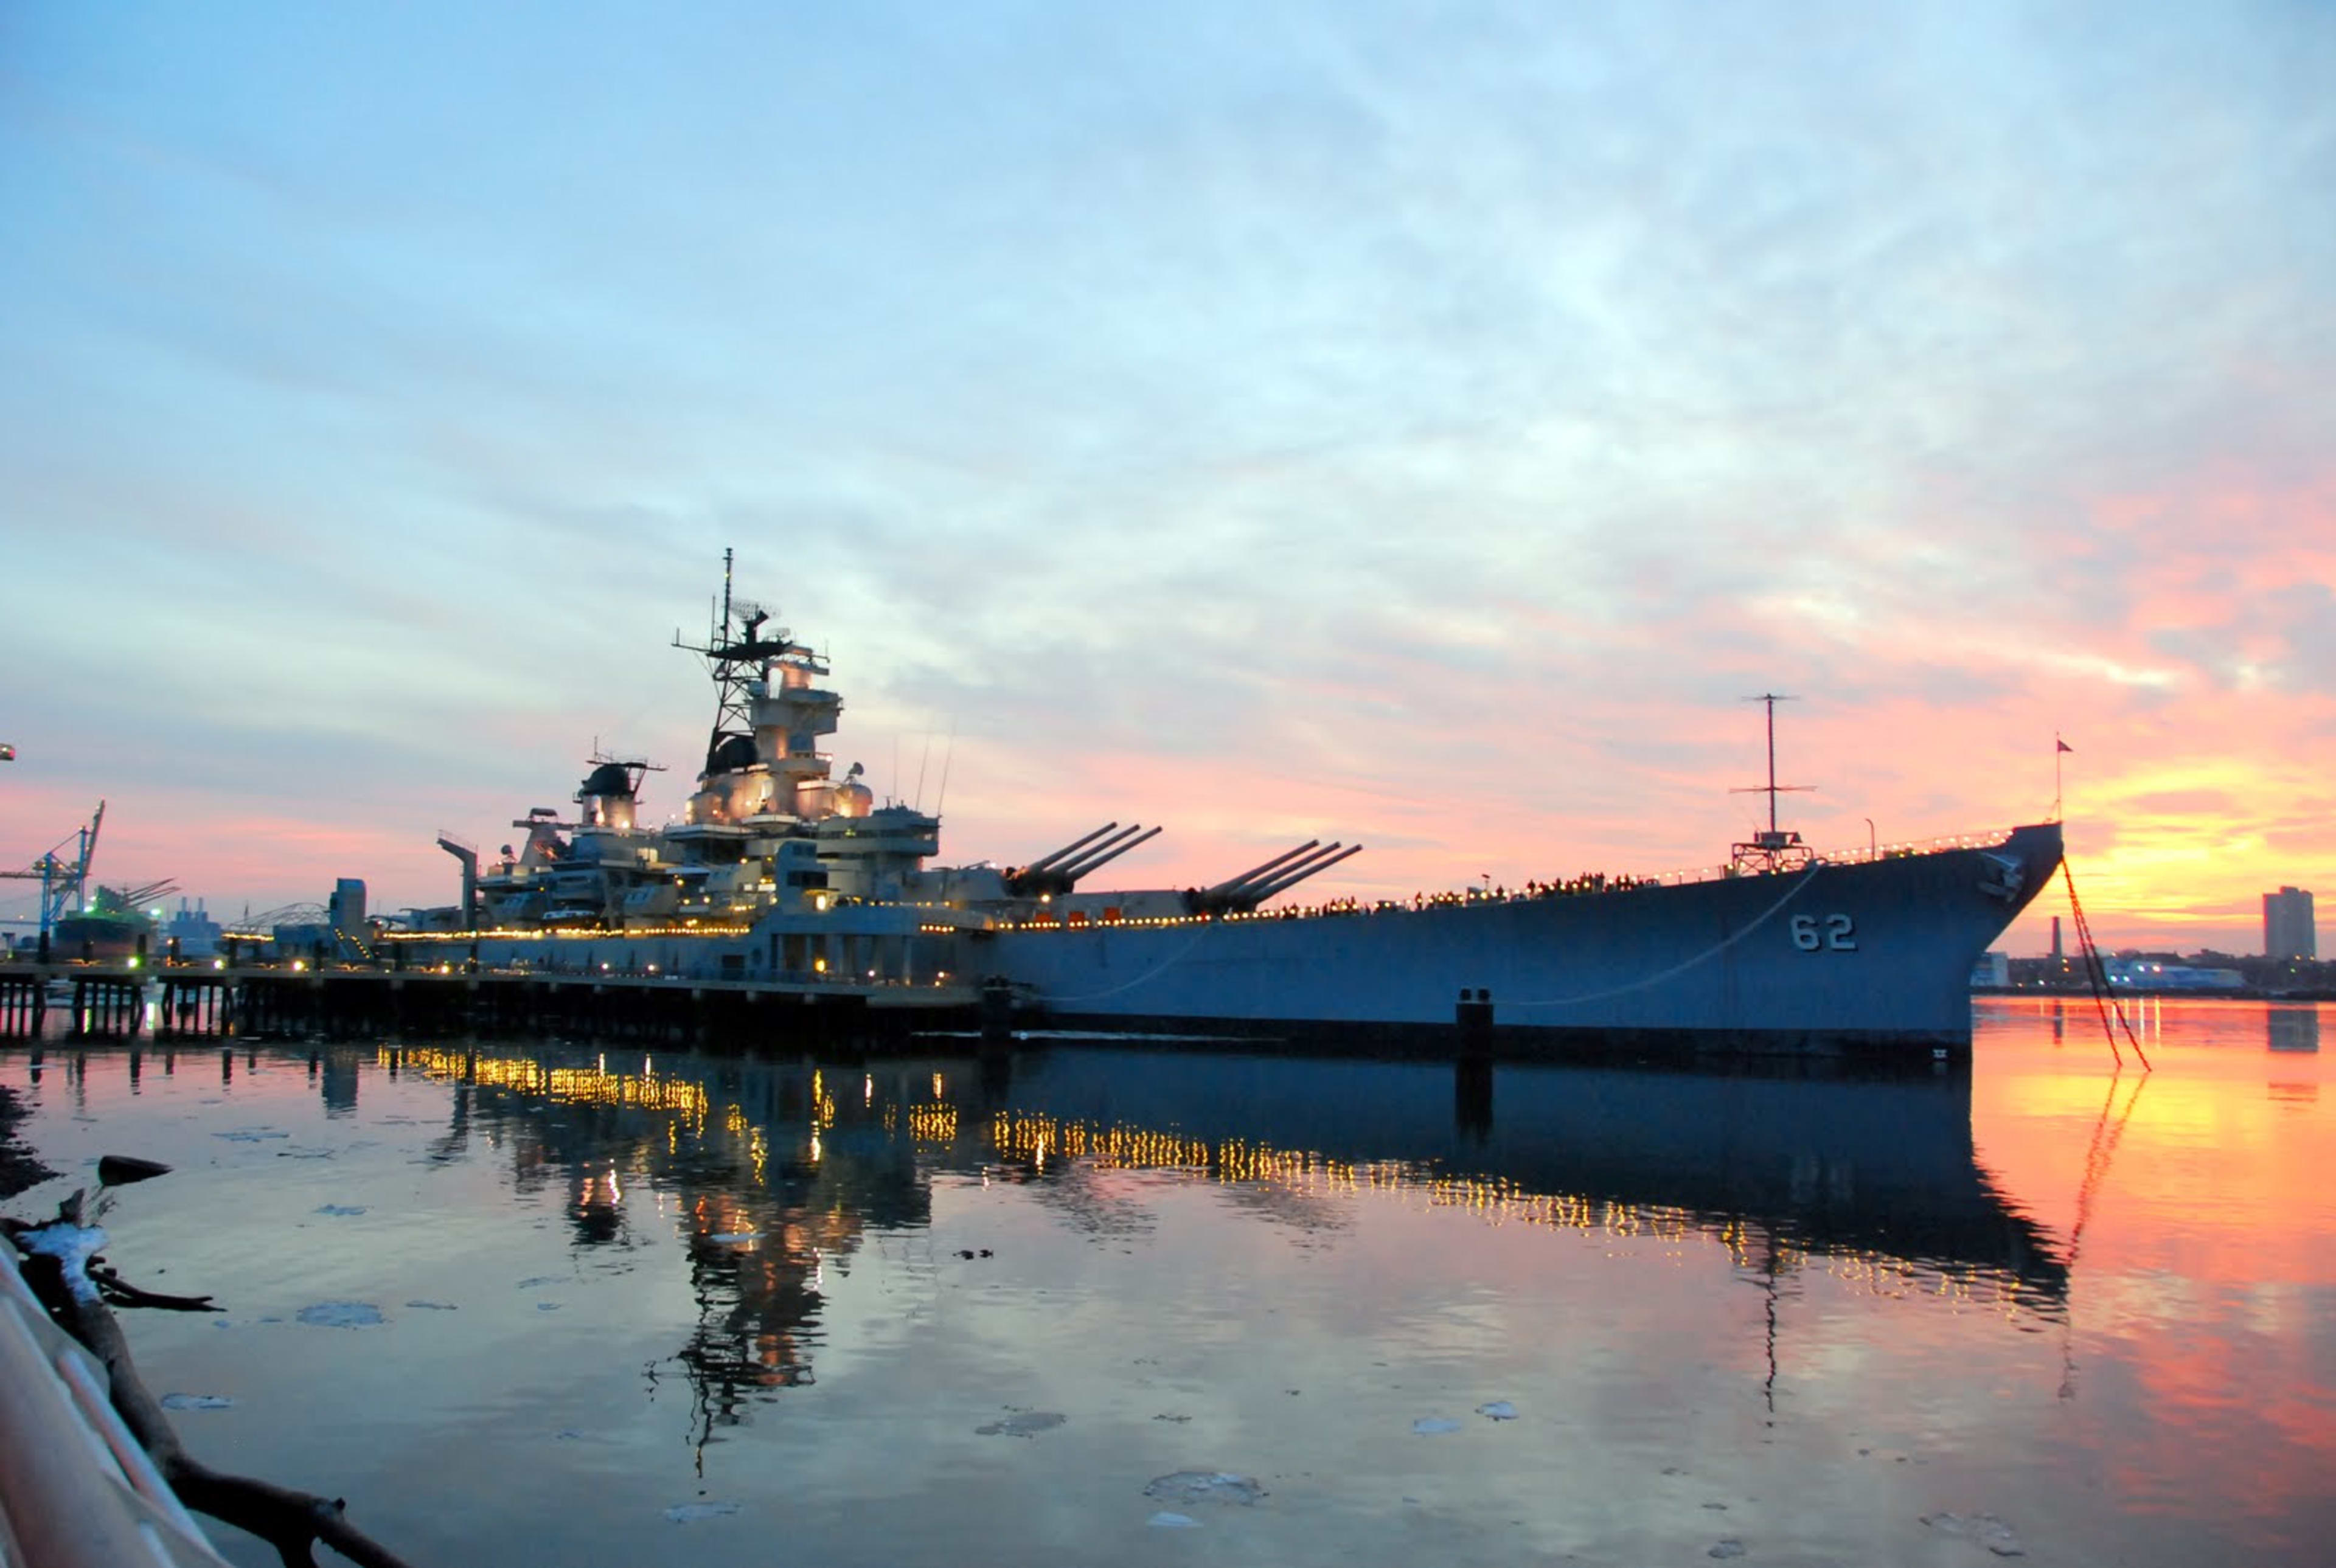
73, 1284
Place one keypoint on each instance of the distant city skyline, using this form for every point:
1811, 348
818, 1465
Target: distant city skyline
1415, 427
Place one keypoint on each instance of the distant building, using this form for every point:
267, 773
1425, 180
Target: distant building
1993, 972
2288, 930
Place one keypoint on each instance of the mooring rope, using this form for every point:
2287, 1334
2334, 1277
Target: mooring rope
2104, 1000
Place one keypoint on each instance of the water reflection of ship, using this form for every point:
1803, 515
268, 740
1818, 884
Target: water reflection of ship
776, 1176
782, 1171
1872, 1166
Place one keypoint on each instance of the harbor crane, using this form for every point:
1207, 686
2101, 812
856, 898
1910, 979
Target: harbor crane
62, 882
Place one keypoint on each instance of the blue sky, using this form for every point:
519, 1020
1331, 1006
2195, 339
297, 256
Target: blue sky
1414, 424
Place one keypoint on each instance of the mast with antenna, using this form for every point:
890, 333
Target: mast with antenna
1773, 848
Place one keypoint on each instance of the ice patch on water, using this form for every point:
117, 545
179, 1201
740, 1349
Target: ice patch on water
1164, 1520
342, 1209
197, 1402
342, 1315
690, 1512
1204, 1486
1022, 1423
1498, 1410
72, 1246
1984, 1529
1435, 1426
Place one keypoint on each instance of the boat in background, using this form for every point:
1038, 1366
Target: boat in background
111, 927
781, 874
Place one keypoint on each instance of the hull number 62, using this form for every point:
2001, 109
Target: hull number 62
1825, 933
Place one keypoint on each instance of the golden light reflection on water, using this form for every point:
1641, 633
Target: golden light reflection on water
1034, 1139
566, 1085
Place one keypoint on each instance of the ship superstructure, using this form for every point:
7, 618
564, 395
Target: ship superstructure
778, 872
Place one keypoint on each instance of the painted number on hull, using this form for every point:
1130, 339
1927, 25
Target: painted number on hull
1825, 933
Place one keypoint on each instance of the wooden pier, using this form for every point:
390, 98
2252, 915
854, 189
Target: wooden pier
193, 1000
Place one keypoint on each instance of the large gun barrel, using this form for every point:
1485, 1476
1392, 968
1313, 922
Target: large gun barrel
1108, 851
1231, 884
1252, 891
467, 855
1256, 894
1044, 861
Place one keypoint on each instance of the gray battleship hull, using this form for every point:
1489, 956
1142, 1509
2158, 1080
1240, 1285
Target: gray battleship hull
1838, 955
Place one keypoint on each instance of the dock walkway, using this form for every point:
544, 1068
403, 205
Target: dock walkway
213, 999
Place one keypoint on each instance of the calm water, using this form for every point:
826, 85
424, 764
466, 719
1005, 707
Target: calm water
633, 1309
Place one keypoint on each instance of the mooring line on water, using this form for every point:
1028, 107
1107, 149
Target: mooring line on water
2098, 1155
2104, 1000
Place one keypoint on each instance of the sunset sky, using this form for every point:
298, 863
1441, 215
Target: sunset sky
1417, 425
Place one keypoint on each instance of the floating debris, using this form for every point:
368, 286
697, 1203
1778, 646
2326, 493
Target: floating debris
546, 1306
121, 1170
691, 1513
342, 1209
197, 1402
434, 1306
1435, 1426
733, 1238
1731, 1547
539, 1280
1164, 1520
341, 1315
1023, 1424
1204, 1486
1498, 1410
1982, 1529
1165, 1416
250, 1134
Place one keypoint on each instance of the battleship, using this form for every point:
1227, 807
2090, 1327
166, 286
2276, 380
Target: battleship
777, 871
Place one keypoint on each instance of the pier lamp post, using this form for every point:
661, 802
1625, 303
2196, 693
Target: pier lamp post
1872, 846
